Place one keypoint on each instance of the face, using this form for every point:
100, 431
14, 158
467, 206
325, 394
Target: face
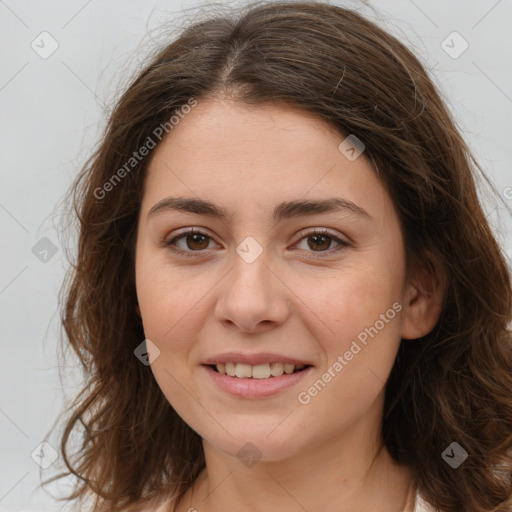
296, 258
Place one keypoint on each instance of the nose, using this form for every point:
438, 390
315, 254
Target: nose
252, 297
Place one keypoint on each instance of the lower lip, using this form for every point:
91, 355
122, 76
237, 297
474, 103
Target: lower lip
255, 388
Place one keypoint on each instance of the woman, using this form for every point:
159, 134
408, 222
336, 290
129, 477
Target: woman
287, 294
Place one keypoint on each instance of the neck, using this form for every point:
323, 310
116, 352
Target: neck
348, 472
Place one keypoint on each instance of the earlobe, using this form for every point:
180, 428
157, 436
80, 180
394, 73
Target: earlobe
424, 303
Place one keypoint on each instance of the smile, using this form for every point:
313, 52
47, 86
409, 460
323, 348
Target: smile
254, 382
259, 371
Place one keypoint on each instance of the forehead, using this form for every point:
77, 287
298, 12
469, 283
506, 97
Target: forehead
262, 154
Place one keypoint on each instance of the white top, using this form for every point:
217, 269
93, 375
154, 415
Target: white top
422, 505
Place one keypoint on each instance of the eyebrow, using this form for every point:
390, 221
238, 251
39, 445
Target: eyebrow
285, 210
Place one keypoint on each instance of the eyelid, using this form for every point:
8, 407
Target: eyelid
323, 231
168, 243
342, 243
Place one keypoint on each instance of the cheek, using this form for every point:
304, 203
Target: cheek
169, 298
170, 304
361, 306
363, 312
351, 299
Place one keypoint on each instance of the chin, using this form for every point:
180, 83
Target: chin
251, 446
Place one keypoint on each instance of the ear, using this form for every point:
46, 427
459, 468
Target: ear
424, 300
137, 310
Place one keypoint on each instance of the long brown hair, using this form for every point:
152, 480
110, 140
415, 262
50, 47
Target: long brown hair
453, 385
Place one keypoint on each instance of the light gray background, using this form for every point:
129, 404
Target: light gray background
52, 112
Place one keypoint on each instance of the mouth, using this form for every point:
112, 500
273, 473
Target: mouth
245, 381
255, 376
258, 371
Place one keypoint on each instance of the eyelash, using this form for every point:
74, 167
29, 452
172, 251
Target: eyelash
169, 244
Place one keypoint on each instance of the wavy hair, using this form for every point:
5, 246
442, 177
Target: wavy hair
453, 385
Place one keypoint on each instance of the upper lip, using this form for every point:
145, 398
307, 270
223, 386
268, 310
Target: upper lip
254, 359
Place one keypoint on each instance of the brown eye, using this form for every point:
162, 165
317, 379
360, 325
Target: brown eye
188, 242
320, 242
196, 242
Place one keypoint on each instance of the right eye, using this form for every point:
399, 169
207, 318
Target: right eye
194, 241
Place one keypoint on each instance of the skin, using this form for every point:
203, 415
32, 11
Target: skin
248, 159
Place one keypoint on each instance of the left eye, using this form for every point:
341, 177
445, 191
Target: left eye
322, 241
196, 241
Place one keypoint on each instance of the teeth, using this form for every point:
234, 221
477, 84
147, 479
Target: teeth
259, 371
288, 368
230, 369
276, 369
243, 370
